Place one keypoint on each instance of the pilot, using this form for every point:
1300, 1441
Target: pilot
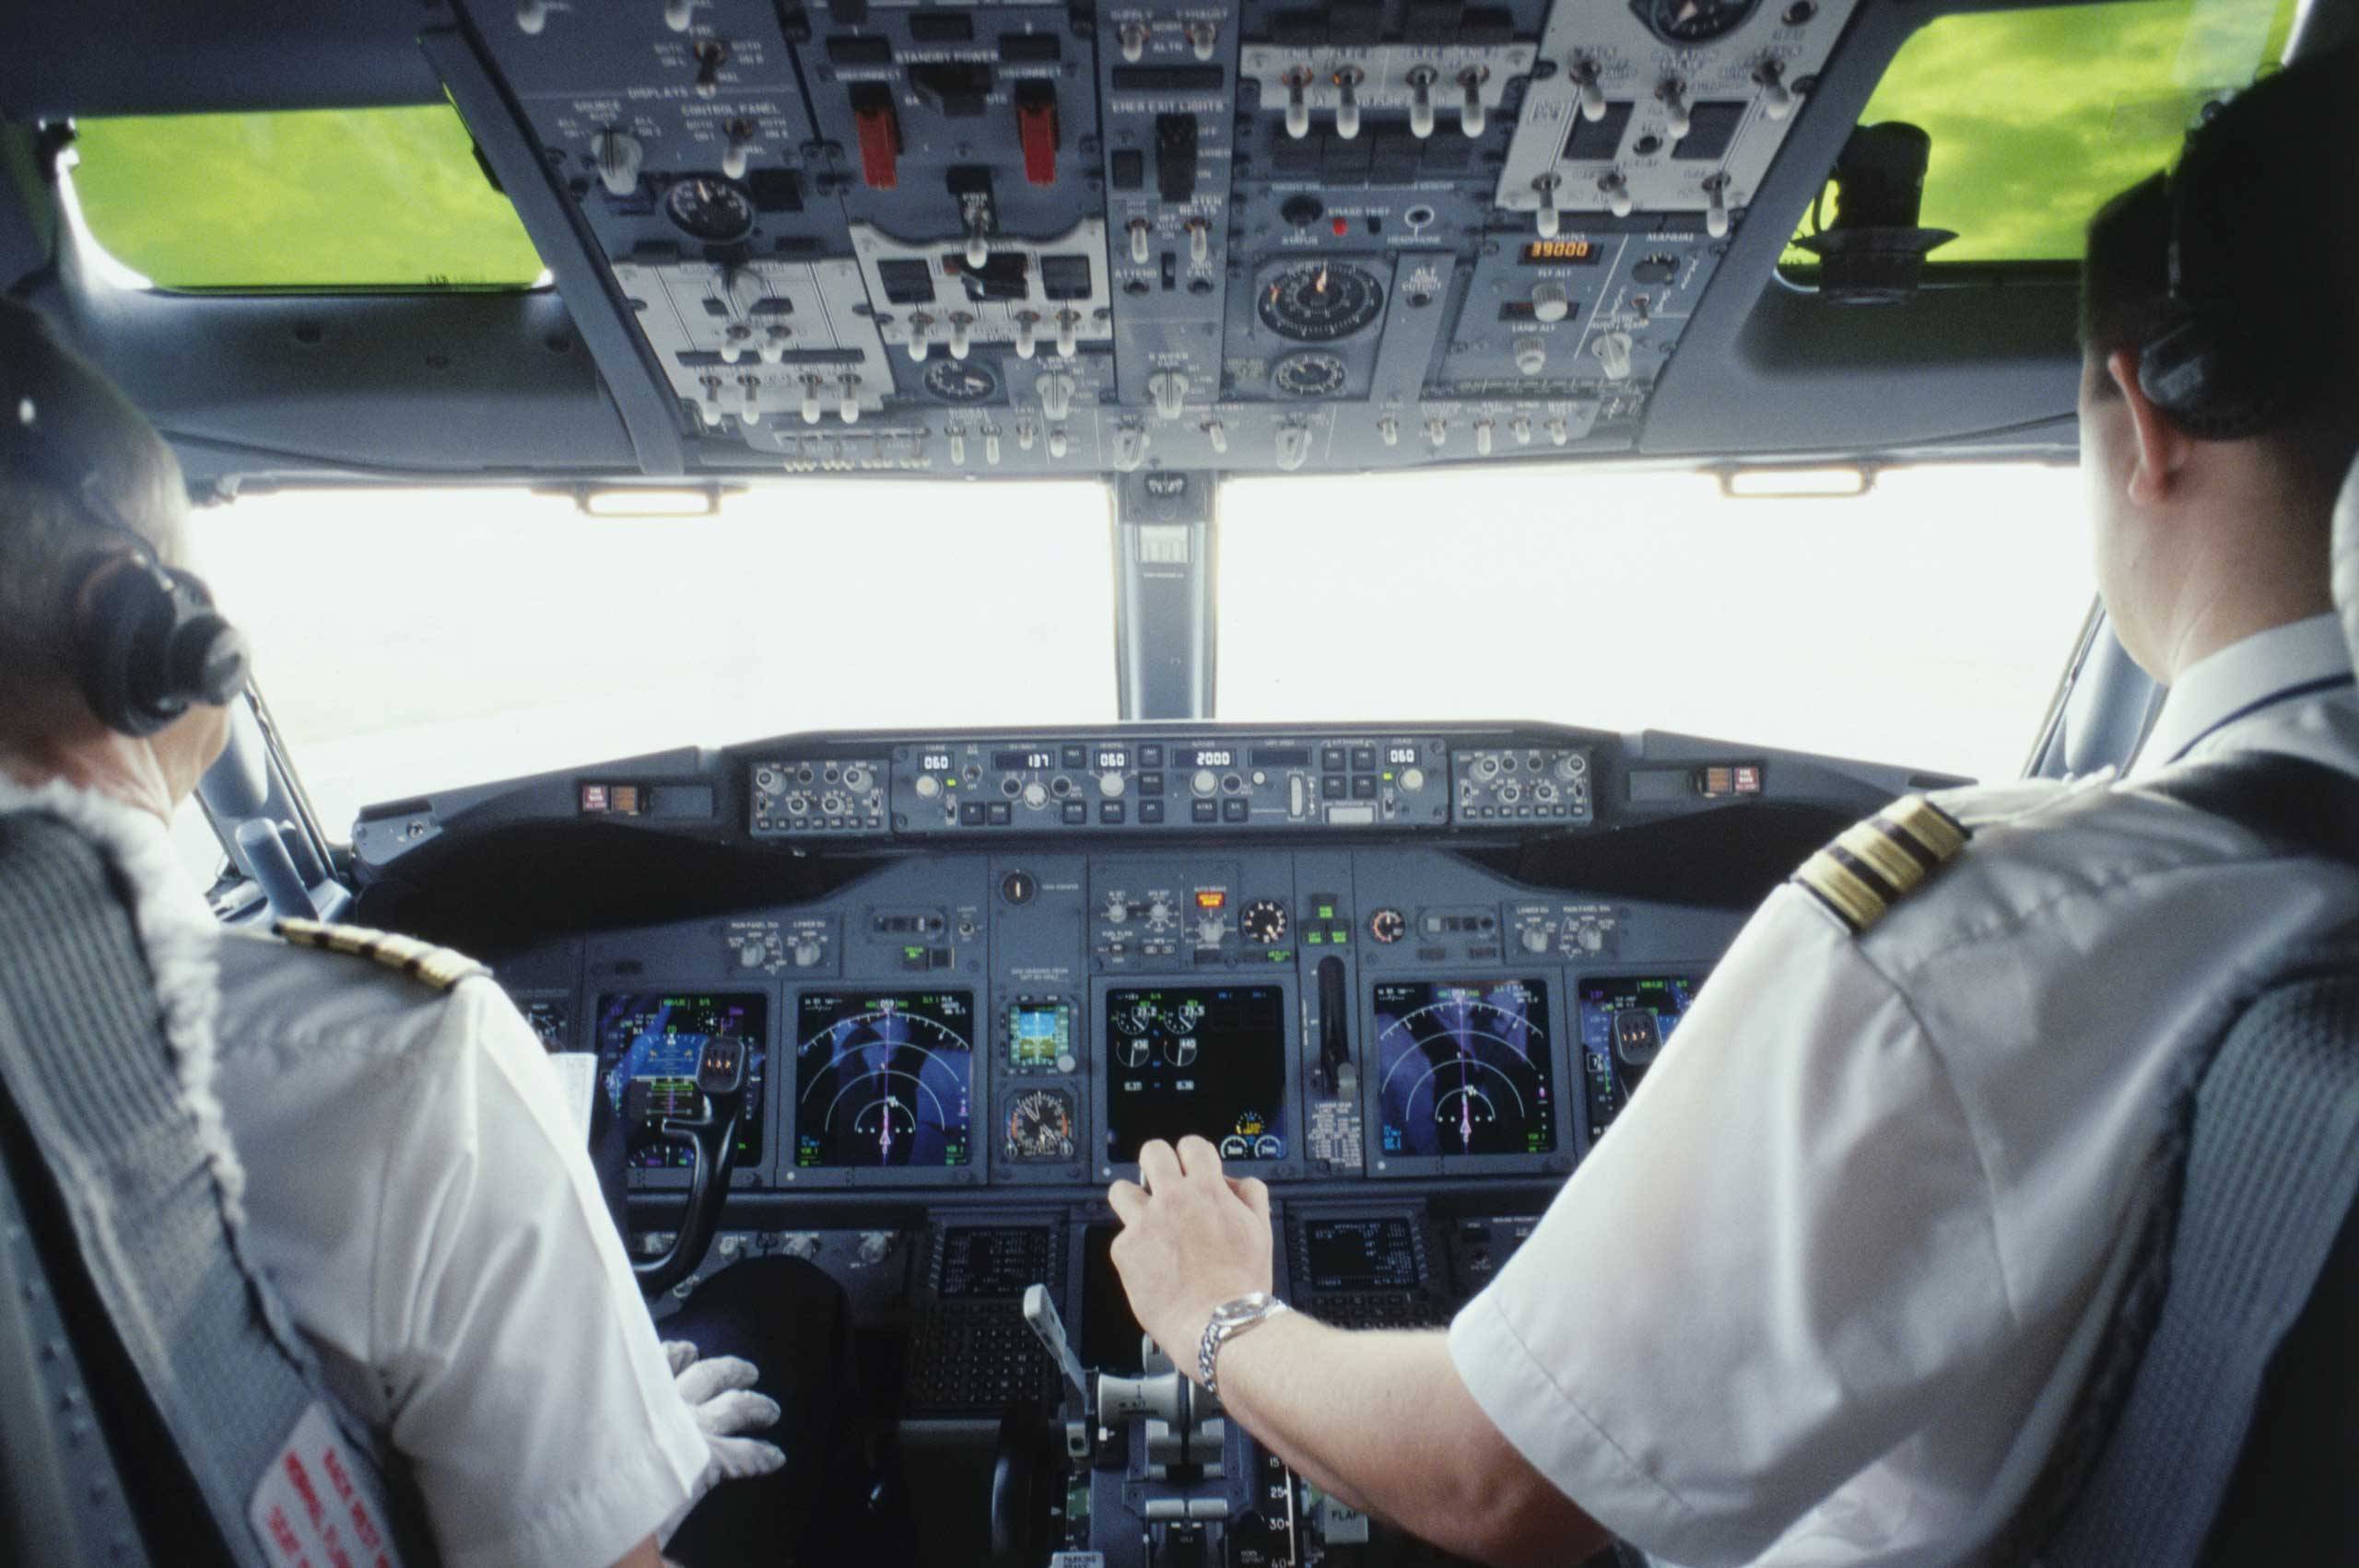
1828, 1290
408, 1174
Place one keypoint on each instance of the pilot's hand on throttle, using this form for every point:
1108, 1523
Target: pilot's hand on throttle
1191, 1239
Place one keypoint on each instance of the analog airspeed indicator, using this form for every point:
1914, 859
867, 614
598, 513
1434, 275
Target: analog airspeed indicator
1319, 301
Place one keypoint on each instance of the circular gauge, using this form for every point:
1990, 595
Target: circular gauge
1040, 1127
1319, 301
961, 380
1131, 1050
1311, 373
1180, 1050
883, 1080
1465, 1068
1269, 1148
710, 208
1388, 926
1692, 21
1236, 1148
1264, 921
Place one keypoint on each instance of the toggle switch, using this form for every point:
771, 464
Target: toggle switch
1716, 208
1521, 428
1217, 434
1612, 351
1558, 431
1471, 119
1200, 240
991, 445
1142, 239
1294, 446
1068, 334
962, 337
750, 390
1130, 448
848, 398
1437, 432
1483, 434
1058, 442
739, 156
1544, 218
1204, 38
812, 405
711, 54
677, 13
619, 157
1169, 390
1132, 38
1776, 97
957, 447
1389, 430
532, 15
1585, 74
920, 325
1616, 192
1673, 94
1347, 101
1421, 100
1027, 325
1056, 395
1297, 83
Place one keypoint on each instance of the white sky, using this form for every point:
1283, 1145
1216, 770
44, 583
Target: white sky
417, 639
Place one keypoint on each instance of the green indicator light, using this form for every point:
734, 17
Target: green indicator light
950, 783
1388, 779
1326, 911
913, 952
1339, 938
1313, 937
1280, 955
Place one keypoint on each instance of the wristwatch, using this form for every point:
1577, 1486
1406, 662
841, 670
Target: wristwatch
1230, 1319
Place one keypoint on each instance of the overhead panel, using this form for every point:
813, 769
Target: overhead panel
1023, 239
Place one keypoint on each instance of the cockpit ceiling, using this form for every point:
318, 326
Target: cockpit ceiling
1017, 239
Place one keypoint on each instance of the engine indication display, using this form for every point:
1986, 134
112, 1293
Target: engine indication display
1203, 1059
1465, 1067
883, 1080
656, 1040
1321, 302
1626, 1020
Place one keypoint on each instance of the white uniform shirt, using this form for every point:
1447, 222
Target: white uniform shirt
1827, 1290
419, 1195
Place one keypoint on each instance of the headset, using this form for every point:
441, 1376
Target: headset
2233, 358
147, 643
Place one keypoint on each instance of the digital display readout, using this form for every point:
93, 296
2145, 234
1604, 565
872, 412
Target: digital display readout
658, 1040
1206, 1060
1024, 761
884, 1079
1576, 252
992, 1262
1466, 1067
1361, 1255
1040, 1035
1625, 1022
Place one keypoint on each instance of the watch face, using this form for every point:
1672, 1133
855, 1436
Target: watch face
1244, 1309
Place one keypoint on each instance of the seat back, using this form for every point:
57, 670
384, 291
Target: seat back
157, 1358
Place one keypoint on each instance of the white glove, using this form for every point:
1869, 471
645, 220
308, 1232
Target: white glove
719, 1394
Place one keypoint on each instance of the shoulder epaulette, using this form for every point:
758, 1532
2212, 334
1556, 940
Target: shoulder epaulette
1874, 864
440, 968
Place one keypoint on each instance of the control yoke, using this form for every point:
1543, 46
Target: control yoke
711, 1135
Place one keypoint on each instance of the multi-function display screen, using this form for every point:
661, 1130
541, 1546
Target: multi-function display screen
993, 1262
1206, 1060
884, 1079
1040, 1035
1465, 1067
1625, 1022
1361, 1255
658, 1040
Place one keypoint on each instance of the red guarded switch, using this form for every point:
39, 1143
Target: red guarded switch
880, 135
1035, 127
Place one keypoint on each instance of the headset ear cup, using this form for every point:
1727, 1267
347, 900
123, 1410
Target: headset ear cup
208, 659
2179, 370
129, 619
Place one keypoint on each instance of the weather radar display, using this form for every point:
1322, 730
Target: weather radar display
1466, 1067
883, 1080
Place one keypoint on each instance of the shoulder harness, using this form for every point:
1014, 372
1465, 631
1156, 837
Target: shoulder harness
1874, 864
440, 968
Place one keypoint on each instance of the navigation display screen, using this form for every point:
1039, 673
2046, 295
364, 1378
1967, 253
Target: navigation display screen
659, 1039
1206, 1060
1361, 1255
884, 1079
1625, 1022
1465, 1067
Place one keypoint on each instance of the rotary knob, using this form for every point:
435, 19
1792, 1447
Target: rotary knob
1549, 302
1036, 795
1413, 780
1205, 783
875, 1246
808, 954
750, 953
619, 157
1211, 929
1535, 939
1118, 909
1592, 939
1110, 785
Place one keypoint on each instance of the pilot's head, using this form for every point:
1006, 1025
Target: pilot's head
89, 493
2220, 370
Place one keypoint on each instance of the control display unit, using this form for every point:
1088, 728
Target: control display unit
1626, 1021
1373, 1254
992, 1262
1203, 1059
884, 1079
1466, 1067
649, 1044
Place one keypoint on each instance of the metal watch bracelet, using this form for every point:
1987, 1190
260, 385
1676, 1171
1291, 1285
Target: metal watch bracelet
1230, 1319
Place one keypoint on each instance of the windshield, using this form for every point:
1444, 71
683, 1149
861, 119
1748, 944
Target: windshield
413, 640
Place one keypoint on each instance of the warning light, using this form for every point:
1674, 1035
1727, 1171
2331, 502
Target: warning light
1212, 898
593, 797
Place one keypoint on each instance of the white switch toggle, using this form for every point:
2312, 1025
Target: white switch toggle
1202, 38
990, 446
1133, 40
677, 15
961, 334
1200, 240
1482, 437
1025, 434
1530, 356
1058, 441
619, 155
1585, 74
1347, 101
1549, 302
1027, 324
1217, 434
978, 250
1169, 390
734, 158
751, 389
920, 325
1130, 448
532, 15
1616, 192
773, 348
1388, 429
1612, 351
1421, 101
1068, 326
1141, 236
708, 407
1471, 118
812, 406
847, 399
1673, 94
958, 445
1716, 211
1544, 217
1521, 428
731, 350
1776, 97
1559, 432
1298, 103
1056, 395
1294, 446
1437, 432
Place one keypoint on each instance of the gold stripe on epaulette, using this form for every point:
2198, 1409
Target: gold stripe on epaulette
1856, 904
440, 968
1873, 865
1934, 828
1896, 865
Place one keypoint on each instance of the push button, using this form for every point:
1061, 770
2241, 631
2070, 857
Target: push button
1333, 788
1206, 811
1235, 811
1150, 810
1000, 813
1077, 812
1364, 789
1109, 812
972, 815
